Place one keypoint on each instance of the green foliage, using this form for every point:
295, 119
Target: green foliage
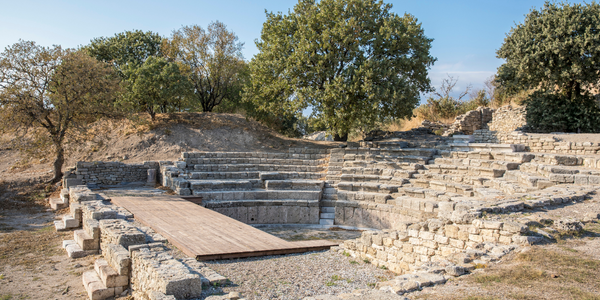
129, 48
548, 112
156, 86
556, 48
48, 93
215, 62
353, 62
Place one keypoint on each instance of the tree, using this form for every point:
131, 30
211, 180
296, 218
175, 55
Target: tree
49, 92
156, 86
129, 48
352, 61
555, 51
215, 61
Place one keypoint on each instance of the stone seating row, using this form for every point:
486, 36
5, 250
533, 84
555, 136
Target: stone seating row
254, 161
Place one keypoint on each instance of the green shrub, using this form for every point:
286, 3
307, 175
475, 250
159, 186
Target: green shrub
548, 112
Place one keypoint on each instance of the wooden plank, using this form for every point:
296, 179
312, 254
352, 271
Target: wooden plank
205, 234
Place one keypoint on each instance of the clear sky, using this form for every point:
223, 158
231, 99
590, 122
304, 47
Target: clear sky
466, 33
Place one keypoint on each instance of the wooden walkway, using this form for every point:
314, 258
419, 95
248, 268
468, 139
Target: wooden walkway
205, 234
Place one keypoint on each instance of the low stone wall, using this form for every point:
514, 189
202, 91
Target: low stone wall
269, 212
112, 173
508, 118
536, 142
434, 126
372, 215
471, 121
405, 249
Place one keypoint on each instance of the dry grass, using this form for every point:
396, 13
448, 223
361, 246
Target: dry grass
30, 248
553, 274
408, 124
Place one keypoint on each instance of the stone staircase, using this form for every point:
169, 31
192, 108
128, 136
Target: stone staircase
255, 188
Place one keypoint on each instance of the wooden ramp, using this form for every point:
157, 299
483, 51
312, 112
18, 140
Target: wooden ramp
205, 234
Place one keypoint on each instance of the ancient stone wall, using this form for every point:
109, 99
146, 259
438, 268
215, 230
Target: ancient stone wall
508, 118
112, 173
435, 240
471, 121
434, 126
536, 142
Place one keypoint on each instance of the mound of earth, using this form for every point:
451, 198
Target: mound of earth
132, 141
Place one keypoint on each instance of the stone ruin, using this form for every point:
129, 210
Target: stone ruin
431, 208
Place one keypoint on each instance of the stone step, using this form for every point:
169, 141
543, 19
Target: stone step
462, 189
110, 277
257, 167
400, 173
428, 205
363, 196
74, 250
529, 179
465, 170
94, 287
327, 209
374, 179
423, 180
305, 185
326, 222
257, 175
60, 225
255, 161
510, 187
330, 197
391, 152
258, 194
224, 185
85, 241
224, 175
423, 193
327, 215
398, 162
269, 155
519, 157
368, 187
57, 203
471, 162
70, 222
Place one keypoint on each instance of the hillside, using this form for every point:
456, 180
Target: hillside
165, 139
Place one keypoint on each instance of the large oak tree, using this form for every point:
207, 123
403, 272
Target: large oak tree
353, 62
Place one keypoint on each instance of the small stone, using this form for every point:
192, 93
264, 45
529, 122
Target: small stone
234, 296
455, 270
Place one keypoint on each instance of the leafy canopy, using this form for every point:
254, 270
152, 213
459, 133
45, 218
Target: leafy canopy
556, 52
352, 61
556, 48
126, 48
156, 86
47, 93
214, 61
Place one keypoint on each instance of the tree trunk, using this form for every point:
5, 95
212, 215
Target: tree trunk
58, 163
342, 138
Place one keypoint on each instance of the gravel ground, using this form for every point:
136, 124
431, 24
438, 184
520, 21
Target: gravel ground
296, 276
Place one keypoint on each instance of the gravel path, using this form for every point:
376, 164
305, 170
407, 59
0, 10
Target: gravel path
296, 276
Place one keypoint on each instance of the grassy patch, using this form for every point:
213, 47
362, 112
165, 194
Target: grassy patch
29, 248
554, 274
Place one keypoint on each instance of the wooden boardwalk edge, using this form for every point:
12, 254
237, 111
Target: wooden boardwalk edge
207, 235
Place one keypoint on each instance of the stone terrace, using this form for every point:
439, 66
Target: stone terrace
440, 206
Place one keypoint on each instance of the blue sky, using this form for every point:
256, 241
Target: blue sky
466, 33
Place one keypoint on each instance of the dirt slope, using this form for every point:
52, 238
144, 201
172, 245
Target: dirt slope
165, 139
